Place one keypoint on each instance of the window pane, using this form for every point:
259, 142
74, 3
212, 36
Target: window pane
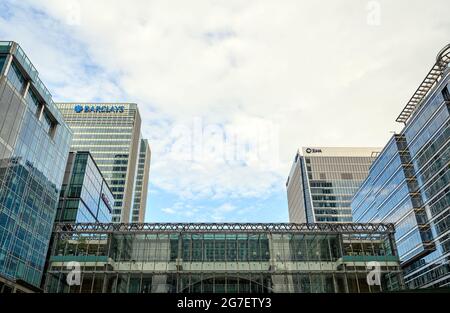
16, 78
2, 61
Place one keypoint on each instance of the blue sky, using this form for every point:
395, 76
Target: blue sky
229, 90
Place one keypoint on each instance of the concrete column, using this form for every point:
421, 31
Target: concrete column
25, 90
41, 112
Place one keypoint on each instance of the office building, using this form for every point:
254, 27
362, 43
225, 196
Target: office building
85, 195
34, 145
111, 133
233, 258
409, 183
323, 180
141, 185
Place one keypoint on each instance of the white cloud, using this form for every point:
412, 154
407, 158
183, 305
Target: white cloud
318, 71
201, 213
168, 210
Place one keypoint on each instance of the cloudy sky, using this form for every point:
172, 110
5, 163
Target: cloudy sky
229, 90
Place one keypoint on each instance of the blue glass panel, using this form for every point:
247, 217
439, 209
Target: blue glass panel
32, 101
16, 78
2, 61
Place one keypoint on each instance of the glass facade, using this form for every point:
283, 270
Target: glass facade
85, 196
34, 144
409, 185
141, 186
111, 133
195, 258
323, 181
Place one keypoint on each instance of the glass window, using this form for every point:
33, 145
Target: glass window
48, 124
2, 61
16, 78
32, 101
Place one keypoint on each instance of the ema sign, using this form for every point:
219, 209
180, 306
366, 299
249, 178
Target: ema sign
99, 109
309, 150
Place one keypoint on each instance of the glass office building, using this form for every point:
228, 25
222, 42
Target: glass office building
34, 145
409, 183
111, 133
85, 195
322, 182
141, 186
196, 258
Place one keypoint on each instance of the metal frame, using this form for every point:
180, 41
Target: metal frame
434, 76
339, 228
176, 270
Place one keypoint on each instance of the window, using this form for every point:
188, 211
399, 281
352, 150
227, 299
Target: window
347, 176
445, 92
16, 78
49, 125
33, 102
2, 61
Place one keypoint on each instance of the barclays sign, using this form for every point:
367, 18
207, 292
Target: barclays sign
99, 109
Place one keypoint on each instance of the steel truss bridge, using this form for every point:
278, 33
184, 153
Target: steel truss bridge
338, 228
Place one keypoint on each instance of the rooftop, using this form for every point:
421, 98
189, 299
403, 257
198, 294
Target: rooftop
432, 78
11, 47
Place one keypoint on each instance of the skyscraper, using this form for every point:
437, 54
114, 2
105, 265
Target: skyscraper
111, 133
323, 180
409, 183
85, 195
34, 145
141, 186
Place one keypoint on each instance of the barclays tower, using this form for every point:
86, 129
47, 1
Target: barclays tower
111, 133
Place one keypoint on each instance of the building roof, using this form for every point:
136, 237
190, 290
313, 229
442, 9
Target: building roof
430, 81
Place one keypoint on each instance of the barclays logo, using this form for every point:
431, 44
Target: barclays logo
99, 109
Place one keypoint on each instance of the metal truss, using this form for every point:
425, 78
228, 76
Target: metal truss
342, 228
432, 78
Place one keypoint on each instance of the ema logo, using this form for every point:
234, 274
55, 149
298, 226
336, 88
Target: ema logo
78, 108
309, 150
99, 109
